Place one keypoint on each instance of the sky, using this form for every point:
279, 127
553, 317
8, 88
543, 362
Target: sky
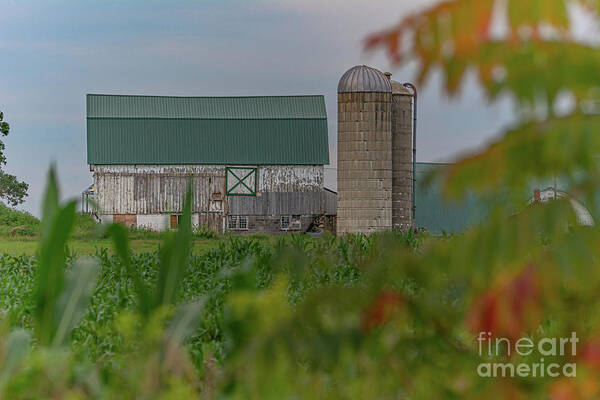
53, 53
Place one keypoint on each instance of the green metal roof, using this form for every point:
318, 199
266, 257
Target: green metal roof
273, 107
207, 130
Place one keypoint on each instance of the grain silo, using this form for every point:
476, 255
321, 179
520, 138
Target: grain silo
402, 168
364, 152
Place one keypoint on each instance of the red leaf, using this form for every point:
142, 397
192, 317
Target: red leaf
382, 310
508, 309
563, 390
484, 315
590, 353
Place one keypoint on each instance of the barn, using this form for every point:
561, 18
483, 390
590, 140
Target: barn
256, 163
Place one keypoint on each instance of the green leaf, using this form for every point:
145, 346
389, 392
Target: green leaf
118, 233
564, 146
73, 301
57, 224
174, 256
17, 348
184, 322
50, 203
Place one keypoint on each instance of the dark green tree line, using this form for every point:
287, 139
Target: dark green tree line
11, 189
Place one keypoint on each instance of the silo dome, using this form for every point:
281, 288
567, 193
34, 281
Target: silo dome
364, 79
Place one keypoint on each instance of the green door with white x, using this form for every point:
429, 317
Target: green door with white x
241, 181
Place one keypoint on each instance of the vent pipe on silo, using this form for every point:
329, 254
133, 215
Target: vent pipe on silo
414, 153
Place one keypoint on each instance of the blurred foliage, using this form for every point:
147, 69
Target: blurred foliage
153, 325
384, 316
526, 50
378, 316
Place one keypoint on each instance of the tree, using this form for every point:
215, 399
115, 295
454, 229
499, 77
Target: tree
13, 191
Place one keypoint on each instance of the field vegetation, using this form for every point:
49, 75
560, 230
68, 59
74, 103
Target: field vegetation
20, 235
361, 317
150, 324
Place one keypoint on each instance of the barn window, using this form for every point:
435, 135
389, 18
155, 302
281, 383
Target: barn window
296, 223
291, 223
238, 222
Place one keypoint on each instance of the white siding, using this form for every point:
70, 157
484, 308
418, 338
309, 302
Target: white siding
154, 222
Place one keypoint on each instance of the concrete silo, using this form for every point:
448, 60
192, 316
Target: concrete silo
364, 152
402, 168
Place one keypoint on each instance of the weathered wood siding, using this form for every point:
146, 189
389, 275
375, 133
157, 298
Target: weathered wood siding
283, 203
142, 191
296, 178
213, 221
158, 189
331, 199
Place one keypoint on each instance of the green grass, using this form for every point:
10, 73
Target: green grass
19, 236
28, 246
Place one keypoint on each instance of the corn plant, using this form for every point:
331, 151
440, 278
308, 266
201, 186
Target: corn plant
59, 296
157, 304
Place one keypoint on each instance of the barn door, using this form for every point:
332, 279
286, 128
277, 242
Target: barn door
174, 222
211, 221
241, 181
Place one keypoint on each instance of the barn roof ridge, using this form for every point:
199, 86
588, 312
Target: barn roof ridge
211, 119
226, 107
203, 97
